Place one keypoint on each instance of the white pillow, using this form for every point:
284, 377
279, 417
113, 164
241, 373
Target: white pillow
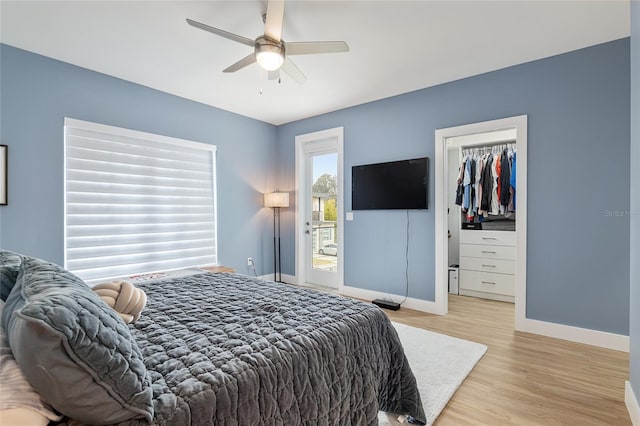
19, 403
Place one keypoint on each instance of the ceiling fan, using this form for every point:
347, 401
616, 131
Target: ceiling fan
270, 51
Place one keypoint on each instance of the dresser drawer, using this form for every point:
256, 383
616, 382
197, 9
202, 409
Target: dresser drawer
496, 238
499, 266
487, 282
487, 251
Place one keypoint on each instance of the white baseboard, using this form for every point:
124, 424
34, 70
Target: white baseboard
602, 339
411, 303
632, 404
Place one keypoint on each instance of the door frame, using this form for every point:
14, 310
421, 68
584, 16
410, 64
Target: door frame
519, 123
335, 134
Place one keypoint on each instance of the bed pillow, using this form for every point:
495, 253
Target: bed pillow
75, 350
9, 266
19, 403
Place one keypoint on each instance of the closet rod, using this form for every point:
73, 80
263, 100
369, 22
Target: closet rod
489, 148
489, 144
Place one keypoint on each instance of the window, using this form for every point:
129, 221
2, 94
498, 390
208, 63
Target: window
136, 202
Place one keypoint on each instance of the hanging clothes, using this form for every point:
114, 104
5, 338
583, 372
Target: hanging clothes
460, 188
466, 181
478, 186
472, 190
512, 182
487, 185
481, 179
505, 178
495, 174
486, 182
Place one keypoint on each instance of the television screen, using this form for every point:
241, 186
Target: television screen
393, 185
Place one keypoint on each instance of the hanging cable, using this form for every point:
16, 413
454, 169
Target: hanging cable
406, 267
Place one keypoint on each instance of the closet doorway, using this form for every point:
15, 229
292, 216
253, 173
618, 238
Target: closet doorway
486, 136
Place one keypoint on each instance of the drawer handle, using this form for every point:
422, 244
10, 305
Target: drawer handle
489, 252
488, 238
488, 266
488, 282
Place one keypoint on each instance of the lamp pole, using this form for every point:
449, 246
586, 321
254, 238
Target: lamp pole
274, 242
279, 257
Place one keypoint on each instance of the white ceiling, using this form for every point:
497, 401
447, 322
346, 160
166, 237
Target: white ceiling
396, 46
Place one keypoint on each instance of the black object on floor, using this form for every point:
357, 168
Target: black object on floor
386, 304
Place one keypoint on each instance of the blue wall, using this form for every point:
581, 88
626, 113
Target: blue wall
578, 181
38, 92
579, 172
635, 200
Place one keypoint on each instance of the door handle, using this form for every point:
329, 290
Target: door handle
306, 232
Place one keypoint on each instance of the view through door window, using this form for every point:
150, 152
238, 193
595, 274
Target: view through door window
325, 212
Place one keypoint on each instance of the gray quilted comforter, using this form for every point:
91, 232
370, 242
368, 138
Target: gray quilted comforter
227, 349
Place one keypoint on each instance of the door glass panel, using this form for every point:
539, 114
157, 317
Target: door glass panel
324, 212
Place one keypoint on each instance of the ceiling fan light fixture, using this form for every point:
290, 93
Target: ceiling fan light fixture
269, 54
269, 50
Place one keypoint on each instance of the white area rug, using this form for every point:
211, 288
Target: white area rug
440, 364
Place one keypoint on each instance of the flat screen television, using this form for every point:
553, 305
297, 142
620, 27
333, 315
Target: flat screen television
401, 185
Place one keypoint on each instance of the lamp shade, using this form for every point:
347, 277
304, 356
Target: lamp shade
269, 53
276, 199
269, 60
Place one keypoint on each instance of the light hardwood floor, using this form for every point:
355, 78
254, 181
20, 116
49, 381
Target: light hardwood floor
526, 379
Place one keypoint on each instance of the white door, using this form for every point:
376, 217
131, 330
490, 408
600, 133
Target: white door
319, 209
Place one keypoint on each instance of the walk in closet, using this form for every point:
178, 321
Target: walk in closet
482, 219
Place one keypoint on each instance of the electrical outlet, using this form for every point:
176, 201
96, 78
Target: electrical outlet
249, 261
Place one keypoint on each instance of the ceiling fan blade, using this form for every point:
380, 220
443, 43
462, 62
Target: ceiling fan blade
275, 17
222, 33
247, 60
312, 47
293, 71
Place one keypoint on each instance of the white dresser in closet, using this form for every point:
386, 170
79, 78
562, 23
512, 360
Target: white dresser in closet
488, 264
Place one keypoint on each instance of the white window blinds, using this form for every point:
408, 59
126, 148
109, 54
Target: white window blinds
136, 202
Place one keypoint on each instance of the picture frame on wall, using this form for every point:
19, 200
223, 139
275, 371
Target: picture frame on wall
3, 175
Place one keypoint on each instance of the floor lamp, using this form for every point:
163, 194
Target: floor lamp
276, 200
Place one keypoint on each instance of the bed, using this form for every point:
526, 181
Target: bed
227, 349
